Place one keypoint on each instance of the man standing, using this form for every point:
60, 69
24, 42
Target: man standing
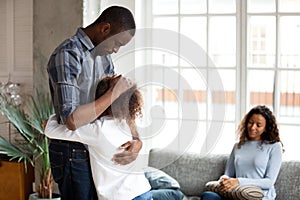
75, 68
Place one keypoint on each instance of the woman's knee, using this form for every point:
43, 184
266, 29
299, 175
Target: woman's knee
210, 196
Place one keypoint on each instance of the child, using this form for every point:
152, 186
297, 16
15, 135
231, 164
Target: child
114, 127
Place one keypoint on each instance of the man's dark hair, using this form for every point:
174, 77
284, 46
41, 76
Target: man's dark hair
120, 18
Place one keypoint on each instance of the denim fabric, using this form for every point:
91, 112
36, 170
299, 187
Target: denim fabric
145, 196
71, 170
159, 179
210, 196
167, 194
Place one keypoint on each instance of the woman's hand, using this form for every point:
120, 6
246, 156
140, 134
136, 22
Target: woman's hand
227, 184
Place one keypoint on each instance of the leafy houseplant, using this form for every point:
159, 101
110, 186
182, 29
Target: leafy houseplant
33, 146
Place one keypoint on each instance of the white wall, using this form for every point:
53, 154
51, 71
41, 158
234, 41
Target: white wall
53, 22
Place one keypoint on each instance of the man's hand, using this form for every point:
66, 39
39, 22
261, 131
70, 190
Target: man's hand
130, 153
120, 85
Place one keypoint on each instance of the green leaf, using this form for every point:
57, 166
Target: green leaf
28, 120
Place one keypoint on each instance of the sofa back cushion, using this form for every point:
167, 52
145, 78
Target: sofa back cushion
288, 181
192, 171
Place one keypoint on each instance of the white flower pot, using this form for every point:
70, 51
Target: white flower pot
34, 196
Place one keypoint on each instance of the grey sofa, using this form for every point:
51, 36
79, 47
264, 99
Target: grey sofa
192, 171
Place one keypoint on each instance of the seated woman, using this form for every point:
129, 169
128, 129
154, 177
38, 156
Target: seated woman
113, 128
256, 159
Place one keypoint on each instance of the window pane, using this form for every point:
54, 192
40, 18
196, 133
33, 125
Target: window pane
290, 96
228, 78
222, 41
164, 58
224, 6
195, 29
261, 6
226, 136
290, 42
195, 95
163, 134
217, 101
164, 7
199, 140
260, 88
223, 96
290, 137
169, 23
162, 93
192, 6
289, 5
262, 42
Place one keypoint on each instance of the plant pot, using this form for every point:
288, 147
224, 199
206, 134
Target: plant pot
34, 196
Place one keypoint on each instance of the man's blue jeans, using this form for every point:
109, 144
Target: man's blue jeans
71, 170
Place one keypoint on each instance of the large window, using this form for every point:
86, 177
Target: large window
255, 52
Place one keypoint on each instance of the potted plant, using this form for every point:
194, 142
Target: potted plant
33, 148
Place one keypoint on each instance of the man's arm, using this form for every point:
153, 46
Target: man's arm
87, 113
130, 153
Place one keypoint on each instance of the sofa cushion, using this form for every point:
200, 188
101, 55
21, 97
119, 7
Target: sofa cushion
192, 171
287, 183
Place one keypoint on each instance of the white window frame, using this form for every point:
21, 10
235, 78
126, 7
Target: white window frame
241, 58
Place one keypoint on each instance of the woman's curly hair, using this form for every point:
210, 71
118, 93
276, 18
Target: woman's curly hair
271, 133
127, 106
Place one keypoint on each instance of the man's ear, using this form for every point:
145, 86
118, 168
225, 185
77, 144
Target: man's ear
105, 29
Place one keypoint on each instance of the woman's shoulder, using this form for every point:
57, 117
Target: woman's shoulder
274, 146
277, 145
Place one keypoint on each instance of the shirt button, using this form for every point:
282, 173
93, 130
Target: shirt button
70, 159
74, 150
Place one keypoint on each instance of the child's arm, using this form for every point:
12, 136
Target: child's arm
86, 134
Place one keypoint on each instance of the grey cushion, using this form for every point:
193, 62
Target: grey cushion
287, 183
190, 170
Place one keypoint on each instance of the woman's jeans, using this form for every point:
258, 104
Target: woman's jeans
210, 196
71, 170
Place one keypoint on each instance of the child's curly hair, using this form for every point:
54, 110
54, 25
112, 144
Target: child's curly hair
127, 106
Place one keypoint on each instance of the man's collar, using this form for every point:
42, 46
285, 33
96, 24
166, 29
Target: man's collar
82, 36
